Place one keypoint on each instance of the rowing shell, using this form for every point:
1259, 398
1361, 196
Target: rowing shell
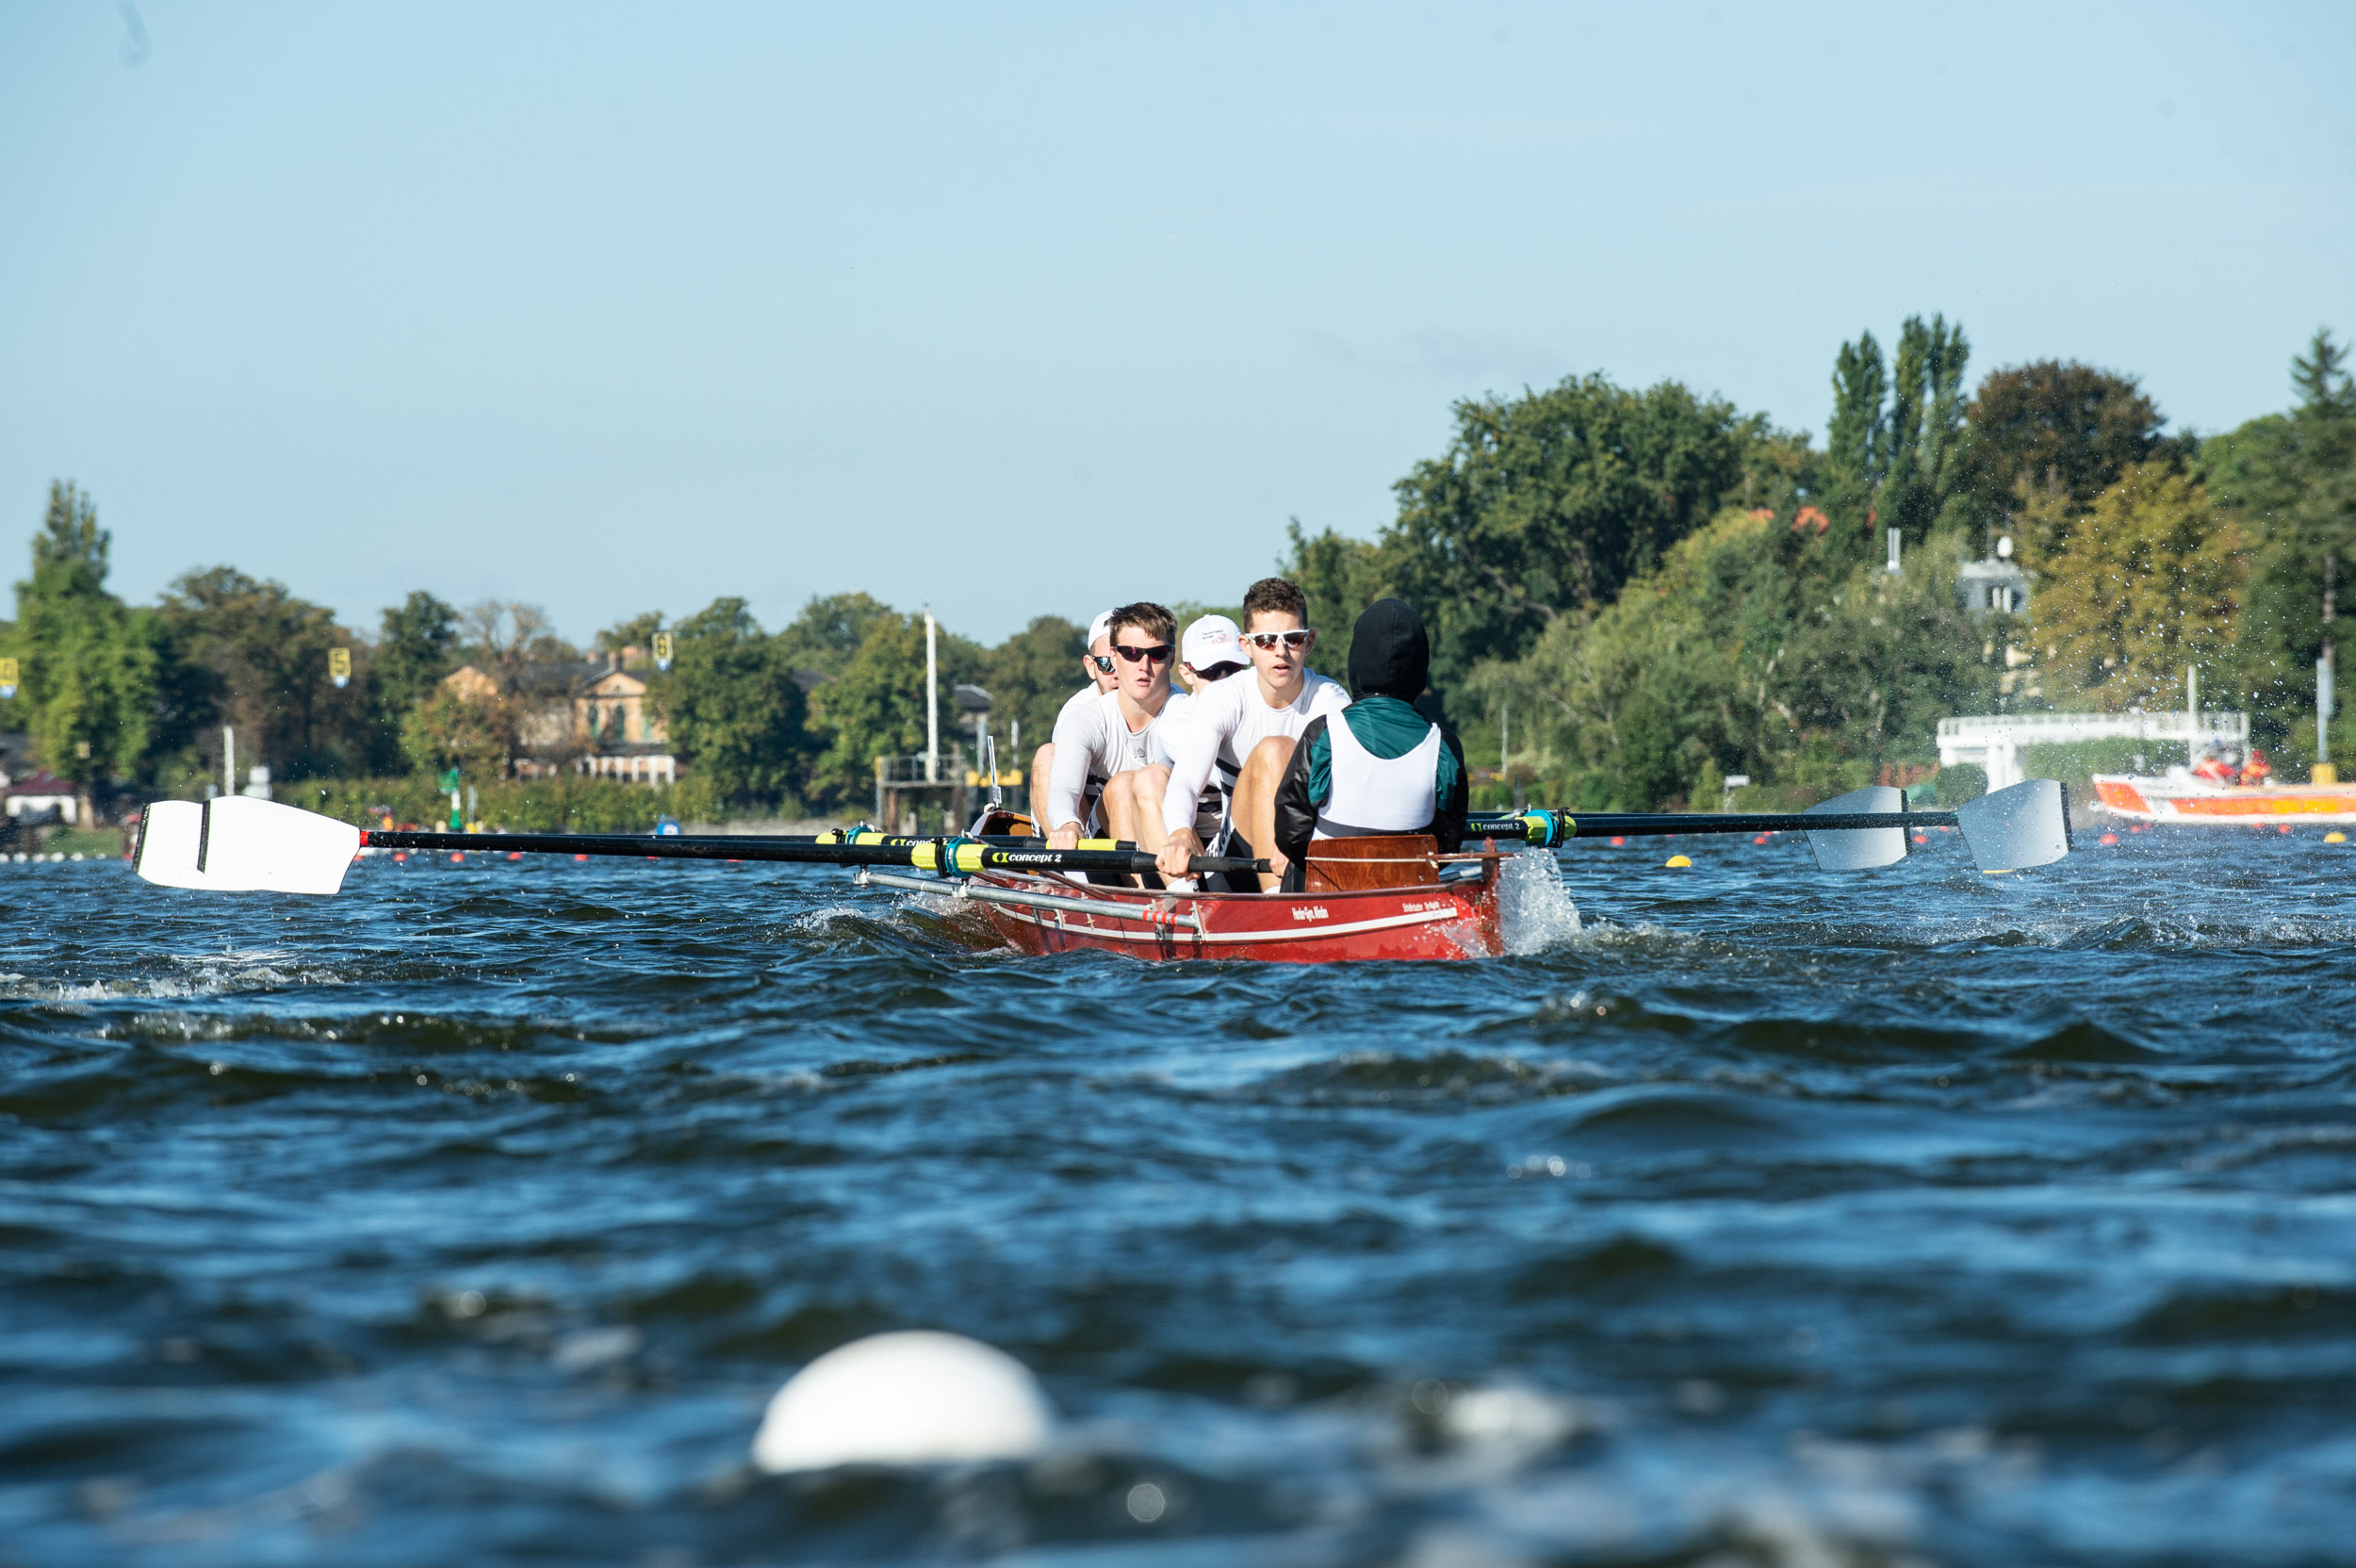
1452, 918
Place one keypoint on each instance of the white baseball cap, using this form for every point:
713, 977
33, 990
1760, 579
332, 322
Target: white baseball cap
1211, 641
1101, 627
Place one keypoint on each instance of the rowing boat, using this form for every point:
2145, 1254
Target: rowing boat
1394, 897
1391, 897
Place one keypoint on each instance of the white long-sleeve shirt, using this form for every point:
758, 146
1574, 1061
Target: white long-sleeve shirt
1093, 741
1222, 726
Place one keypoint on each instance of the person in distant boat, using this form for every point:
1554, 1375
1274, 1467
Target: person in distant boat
1101, 741
2213, 766
1240, 734
2255, 769
1379, 767
1096, 668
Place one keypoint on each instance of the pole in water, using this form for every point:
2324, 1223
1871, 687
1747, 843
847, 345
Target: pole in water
2192, 715
228, 760
2325, 772
1894, 535
932, 702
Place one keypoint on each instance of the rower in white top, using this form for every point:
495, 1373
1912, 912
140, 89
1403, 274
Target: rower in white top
1101, 742
1096, 668
1242, 733
1210, 652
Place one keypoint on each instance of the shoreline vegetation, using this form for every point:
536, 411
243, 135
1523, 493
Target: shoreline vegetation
1633, 594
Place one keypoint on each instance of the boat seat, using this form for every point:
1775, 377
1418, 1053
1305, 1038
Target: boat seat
1384, 860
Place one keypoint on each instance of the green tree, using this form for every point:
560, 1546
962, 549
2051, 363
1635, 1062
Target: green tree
829, 632
732, 707
876, 706
471, 731
1895, 463
259, 654
2057, 426
1341, 576
1029, 675
1926, 428
1856, 443
2290, 481
418, 646
635, 633
1747, 650
87, 663
1545, 505
2148, 582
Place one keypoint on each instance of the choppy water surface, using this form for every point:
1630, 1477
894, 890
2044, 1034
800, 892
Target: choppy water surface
1768, 1216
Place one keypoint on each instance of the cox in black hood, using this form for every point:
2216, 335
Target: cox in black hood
1389, 653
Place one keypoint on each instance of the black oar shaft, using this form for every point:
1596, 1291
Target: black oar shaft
1633, 824
1544, 828
966, 854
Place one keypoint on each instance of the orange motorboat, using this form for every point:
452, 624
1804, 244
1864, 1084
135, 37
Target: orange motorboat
2180, 797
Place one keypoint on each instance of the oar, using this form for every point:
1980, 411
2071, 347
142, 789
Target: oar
2011, 830
238, 844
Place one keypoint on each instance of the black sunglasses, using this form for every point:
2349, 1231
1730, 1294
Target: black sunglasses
1101, 661
1158, 653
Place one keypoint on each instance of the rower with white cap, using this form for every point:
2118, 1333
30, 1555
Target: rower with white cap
1096, 667
1211, 650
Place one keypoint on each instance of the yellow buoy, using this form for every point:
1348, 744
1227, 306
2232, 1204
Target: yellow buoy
2335, 837
1679, 860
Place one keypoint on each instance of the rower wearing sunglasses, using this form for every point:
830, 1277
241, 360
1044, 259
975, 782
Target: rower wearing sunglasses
1099, 740
1096, 668
1240, 732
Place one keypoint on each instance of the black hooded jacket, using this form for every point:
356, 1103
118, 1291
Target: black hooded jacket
1390, 666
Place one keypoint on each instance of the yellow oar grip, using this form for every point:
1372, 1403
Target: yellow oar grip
964, 859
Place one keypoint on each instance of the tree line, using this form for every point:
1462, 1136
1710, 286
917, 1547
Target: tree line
1641, 591
130, 699
1651, 588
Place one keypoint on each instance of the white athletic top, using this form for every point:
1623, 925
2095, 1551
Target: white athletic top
1366, 794
1221, 728
1093, 741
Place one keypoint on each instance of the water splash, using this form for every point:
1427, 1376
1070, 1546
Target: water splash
1534, 909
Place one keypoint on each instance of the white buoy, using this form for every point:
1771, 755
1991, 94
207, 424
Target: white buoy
904, 1398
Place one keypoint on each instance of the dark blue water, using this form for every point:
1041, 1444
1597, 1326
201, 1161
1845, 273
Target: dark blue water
1770, 1218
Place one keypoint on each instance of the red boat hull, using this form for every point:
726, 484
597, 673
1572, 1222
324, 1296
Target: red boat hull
1456, 920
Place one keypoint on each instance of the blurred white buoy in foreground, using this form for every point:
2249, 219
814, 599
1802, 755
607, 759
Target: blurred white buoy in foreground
904, 1398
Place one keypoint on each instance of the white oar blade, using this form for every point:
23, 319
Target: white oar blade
1859, 848
263, 846
170, 832
2022, 826
236, 844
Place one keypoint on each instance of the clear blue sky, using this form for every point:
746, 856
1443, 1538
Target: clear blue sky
1027, 309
